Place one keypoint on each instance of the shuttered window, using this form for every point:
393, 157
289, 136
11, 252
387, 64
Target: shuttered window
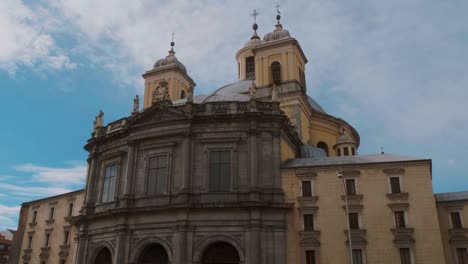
157, 175
219, 171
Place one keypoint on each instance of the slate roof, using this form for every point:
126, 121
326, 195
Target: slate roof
451, 196
347, 160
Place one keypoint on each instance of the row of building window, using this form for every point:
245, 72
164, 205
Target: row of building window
51, 213
66, 236
157, 175
395, 186
358, 256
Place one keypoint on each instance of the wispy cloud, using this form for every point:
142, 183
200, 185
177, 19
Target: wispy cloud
36, 181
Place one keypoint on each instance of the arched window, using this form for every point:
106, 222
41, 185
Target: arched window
154, 254
276, 72
103, 257
220, 253
182, 94
323, 146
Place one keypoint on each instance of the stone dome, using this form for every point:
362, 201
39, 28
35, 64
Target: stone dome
169, 61
278, 33
253, 42
343, 139
309, 151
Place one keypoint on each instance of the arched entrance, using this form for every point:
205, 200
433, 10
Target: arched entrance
103, 257
154, 254
220, 253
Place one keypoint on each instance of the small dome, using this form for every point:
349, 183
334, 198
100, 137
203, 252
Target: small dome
309, 151
278, 33
169, 61
345, 139
253, 42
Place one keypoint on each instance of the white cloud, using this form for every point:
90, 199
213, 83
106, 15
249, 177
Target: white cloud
400, 64
27, 40
57, 176
8, 214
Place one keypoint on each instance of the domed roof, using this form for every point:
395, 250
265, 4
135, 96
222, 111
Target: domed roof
278, 33
344, 139
169, 61
309, 151
253, 42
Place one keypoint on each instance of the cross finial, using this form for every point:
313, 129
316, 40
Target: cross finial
173, 33
255, 14
382, 150
277, 9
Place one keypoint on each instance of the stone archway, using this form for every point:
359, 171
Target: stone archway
103, 256
220, 253
154, 254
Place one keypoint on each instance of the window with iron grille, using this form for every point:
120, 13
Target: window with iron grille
308, 222
456, 220
462, 256
250, 68
306, 189
395, 184
350, 186
219, 171
400, 219
405, 256
157, 175
357, 256
310, 256
353, 220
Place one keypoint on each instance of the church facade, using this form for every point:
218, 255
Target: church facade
256, 172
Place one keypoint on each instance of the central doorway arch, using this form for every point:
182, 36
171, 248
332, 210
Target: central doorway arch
154, 254
220, 253
103, 257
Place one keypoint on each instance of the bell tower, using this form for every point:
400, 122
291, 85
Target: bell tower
280, 59
168, 80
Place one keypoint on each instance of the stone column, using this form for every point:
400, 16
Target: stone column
253, 247
90, 183
129, 174
82, 248
121, 256
253, 162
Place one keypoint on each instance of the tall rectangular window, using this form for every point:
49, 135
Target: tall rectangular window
308, 222
400, 219
47, 240
405, 256
353, 151
456, 220
30, 238
157, 175
70, 209
357, 256
110, 175
350, 186
306, 188
34, 216
219, 171
346, 151
354, 220
250, 68
66, 236
462, 256
338, 152
395, 184
302, 79
51, 213
310, 256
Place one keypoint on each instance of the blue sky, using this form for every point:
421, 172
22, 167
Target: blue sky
395, 70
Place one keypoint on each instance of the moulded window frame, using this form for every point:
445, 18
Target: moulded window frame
312, 189
460, 213
356, 185
168, 155
309, 211
389, 184
109, 163
411, 251
403, 208
231, 165
311, 248
405, 217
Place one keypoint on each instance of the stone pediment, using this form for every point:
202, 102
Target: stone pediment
158, 113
